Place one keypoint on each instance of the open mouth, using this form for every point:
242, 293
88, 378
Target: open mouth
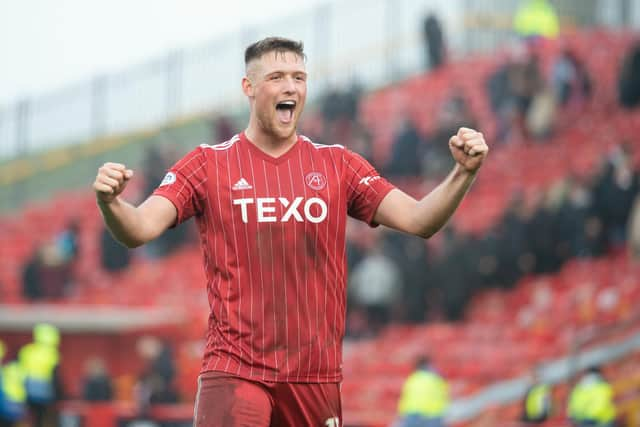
285, 111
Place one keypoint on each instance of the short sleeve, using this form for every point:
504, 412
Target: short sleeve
184, 185
365, 187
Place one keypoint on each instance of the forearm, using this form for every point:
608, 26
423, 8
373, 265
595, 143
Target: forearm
124, 221
434, 210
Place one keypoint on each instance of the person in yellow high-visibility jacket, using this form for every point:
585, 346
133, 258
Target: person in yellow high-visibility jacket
591, 401
39, 360
13, 394
536, 18
537, 401
425, 397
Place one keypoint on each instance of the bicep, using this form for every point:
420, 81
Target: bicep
157, 214
396, 211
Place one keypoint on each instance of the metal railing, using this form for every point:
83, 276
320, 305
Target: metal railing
372, 41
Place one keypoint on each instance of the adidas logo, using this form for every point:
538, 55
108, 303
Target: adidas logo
242, 184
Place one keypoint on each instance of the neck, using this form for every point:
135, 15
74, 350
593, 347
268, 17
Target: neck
269, 143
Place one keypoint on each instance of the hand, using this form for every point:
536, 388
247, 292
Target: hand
468, 149
111, 180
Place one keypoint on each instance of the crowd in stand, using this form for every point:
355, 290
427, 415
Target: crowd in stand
577, 217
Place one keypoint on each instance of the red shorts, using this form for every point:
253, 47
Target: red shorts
225, 400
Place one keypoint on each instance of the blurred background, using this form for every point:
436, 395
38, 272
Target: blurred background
538, 272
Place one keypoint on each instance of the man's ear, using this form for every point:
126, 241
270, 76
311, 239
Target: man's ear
247, 86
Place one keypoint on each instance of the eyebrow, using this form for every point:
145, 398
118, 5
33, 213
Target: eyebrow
304, 73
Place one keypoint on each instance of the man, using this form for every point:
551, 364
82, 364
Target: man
536, 18
40, 360
425, 397
13, 394
537, 401
271, 207
591, 401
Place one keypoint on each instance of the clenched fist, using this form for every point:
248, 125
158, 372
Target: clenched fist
469, 149
111, 180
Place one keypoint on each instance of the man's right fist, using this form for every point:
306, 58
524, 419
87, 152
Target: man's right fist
111, 180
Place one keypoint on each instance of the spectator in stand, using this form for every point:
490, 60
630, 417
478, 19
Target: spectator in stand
342, 105
31, 273
425, 397
375, 284
537, 401
13, 394
550, 244
410, 255
535, 19
405, 152
615, 192
113, 256
579, 228
528, 85
433, 42
571, 81
451, 273
47, 274
96, 385
540, 116
514, 255
155, 384
501, 99
591, 401
56, 272
163, 363
629, 79
67, 242
40, 361
512, 89
486, 266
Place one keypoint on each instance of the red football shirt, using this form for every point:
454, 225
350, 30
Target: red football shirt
273, 237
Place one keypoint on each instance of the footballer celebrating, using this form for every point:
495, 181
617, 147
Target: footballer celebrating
271, 207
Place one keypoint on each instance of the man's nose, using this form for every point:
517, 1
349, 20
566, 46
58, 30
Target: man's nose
289, 85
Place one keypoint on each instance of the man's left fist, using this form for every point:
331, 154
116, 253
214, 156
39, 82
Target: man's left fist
469, 149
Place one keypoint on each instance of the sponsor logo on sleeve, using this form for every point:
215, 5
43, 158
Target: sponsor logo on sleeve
367, 180
168, 179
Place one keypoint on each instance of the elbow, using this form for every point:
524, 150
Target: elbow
131, 243
426, 231
426, 234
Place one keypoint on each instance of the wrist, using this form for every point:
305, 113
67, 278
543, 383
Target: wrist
107, 202
462, 172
